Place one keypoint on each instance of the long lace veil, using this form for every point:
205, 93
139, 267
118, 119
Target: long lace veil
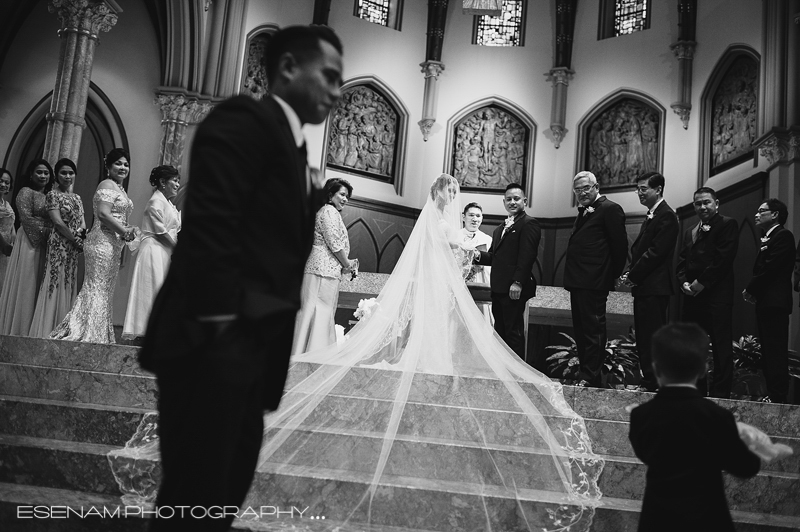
423, 417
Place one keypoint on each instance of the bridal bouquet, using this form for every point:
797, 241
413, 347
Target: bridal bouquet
365, 308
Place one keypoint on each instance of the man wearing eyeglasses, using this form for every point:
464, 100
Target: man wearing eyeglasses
596, 254
770, 290
650, 275
705, 274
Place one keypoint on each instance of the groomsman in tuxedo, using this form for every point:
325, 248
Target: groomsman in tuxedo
596, 254
770, 290
220, 333
705, 273
515, 245
650, 274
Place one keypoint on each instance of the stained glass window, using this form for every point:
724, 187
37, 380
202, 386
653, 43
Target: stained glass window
376, 11
630, 16
505, 30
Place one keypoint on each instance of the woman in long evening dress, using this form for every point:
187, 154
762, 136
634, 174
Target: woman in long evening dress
7, 232
60, 283
91, 315
160, 227
26, 264
329, 259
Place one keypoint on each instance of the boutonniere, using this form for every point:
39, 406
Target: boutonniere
764, 239
705, 228
763, 248
509, 222
589, 210
650, 216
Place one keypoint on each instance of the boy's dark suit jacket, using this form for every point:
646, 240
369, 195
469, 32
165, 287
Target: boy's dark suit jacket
652, 253
686, 441
512, 256
597, 249
709, 260
771, 284
247, 232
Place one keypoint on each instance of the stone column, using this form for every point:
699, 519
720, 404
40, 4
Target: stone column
560, 77
81, 21
561, 73
177, 113
433, 66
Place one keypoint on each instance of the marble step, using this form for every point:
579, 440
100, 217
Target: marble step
84, 467
115, 425
61, 372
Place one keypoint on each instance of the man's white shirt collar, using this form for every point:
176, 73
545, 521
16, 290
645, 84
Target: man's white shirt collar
655, 206
771, 229
294, 121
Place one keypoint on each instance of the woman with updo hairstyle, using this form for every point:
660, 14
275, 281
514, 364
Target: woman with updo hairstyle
26, 264
60, 283
328, 261
160, 227
90, 317
7, 231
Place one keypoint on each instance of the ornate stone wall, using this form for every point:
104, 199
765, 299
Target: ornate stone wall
622, 142
254, 81
489, 149
363, 134
734, 114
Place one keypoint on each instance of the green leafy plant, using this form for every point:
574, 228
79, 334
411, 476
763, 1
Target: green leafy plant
748, 382
621, 362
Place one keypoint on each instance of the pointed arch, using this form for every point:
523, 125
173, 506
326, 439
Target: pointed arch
363, 245
527, 146
736, 55
390, 254
392, 155
603, 127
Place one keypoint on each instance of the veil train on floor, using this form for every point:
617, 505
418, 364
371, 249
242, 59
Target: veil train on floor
423, 417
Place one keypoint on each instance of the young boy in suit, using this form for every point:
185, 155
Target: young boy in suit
685, 440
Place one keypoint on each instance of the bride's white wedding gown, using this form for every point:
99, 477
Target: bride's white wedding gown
424, 395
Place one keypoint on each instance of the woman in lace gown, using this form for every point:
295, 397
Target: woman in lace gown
329, 259
7, 217
60, 283
90, 317
26, 264
423, 417
160, 227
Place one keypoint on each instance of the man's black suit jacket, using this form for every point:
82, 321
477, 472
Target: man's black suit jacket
513, 255
709, 259
597, 249
771, 284
686, 441
652, 253
247, 232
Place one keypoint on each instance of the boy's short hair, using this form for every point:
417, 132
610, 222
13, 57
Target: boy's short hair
680, 350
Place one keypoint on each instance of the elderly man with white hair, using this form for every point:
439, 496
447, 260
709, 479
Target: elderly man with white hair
596, 254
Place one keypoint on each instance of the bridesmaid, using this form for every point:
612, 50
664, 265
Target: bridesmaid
160, 227
7, 217
26, 264
60, 283
90, 317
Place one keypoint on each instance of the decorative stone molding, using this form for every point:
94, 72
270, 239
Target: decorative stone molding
492, 8
684, 52
780, 146
178, 111
560, 78
431, 70
81, 16
81, 21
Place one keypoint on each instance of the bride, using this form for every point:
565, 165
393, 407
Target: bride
424, 395
423, 417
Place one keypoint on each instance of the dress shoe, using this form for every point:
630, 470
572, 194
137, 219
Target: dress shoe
583, 383
764, 399
642, 388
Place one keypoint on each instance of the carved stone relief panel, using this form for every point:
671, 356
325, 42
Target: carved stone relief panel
489, 150
254, 82
363, 134
622, 142
733, 115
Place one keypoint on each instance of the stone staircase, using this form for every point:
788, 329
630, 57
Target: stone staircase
65, 405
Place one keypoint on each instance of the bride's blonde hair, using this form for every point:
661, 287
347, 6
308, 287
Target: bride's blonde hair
440, 184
